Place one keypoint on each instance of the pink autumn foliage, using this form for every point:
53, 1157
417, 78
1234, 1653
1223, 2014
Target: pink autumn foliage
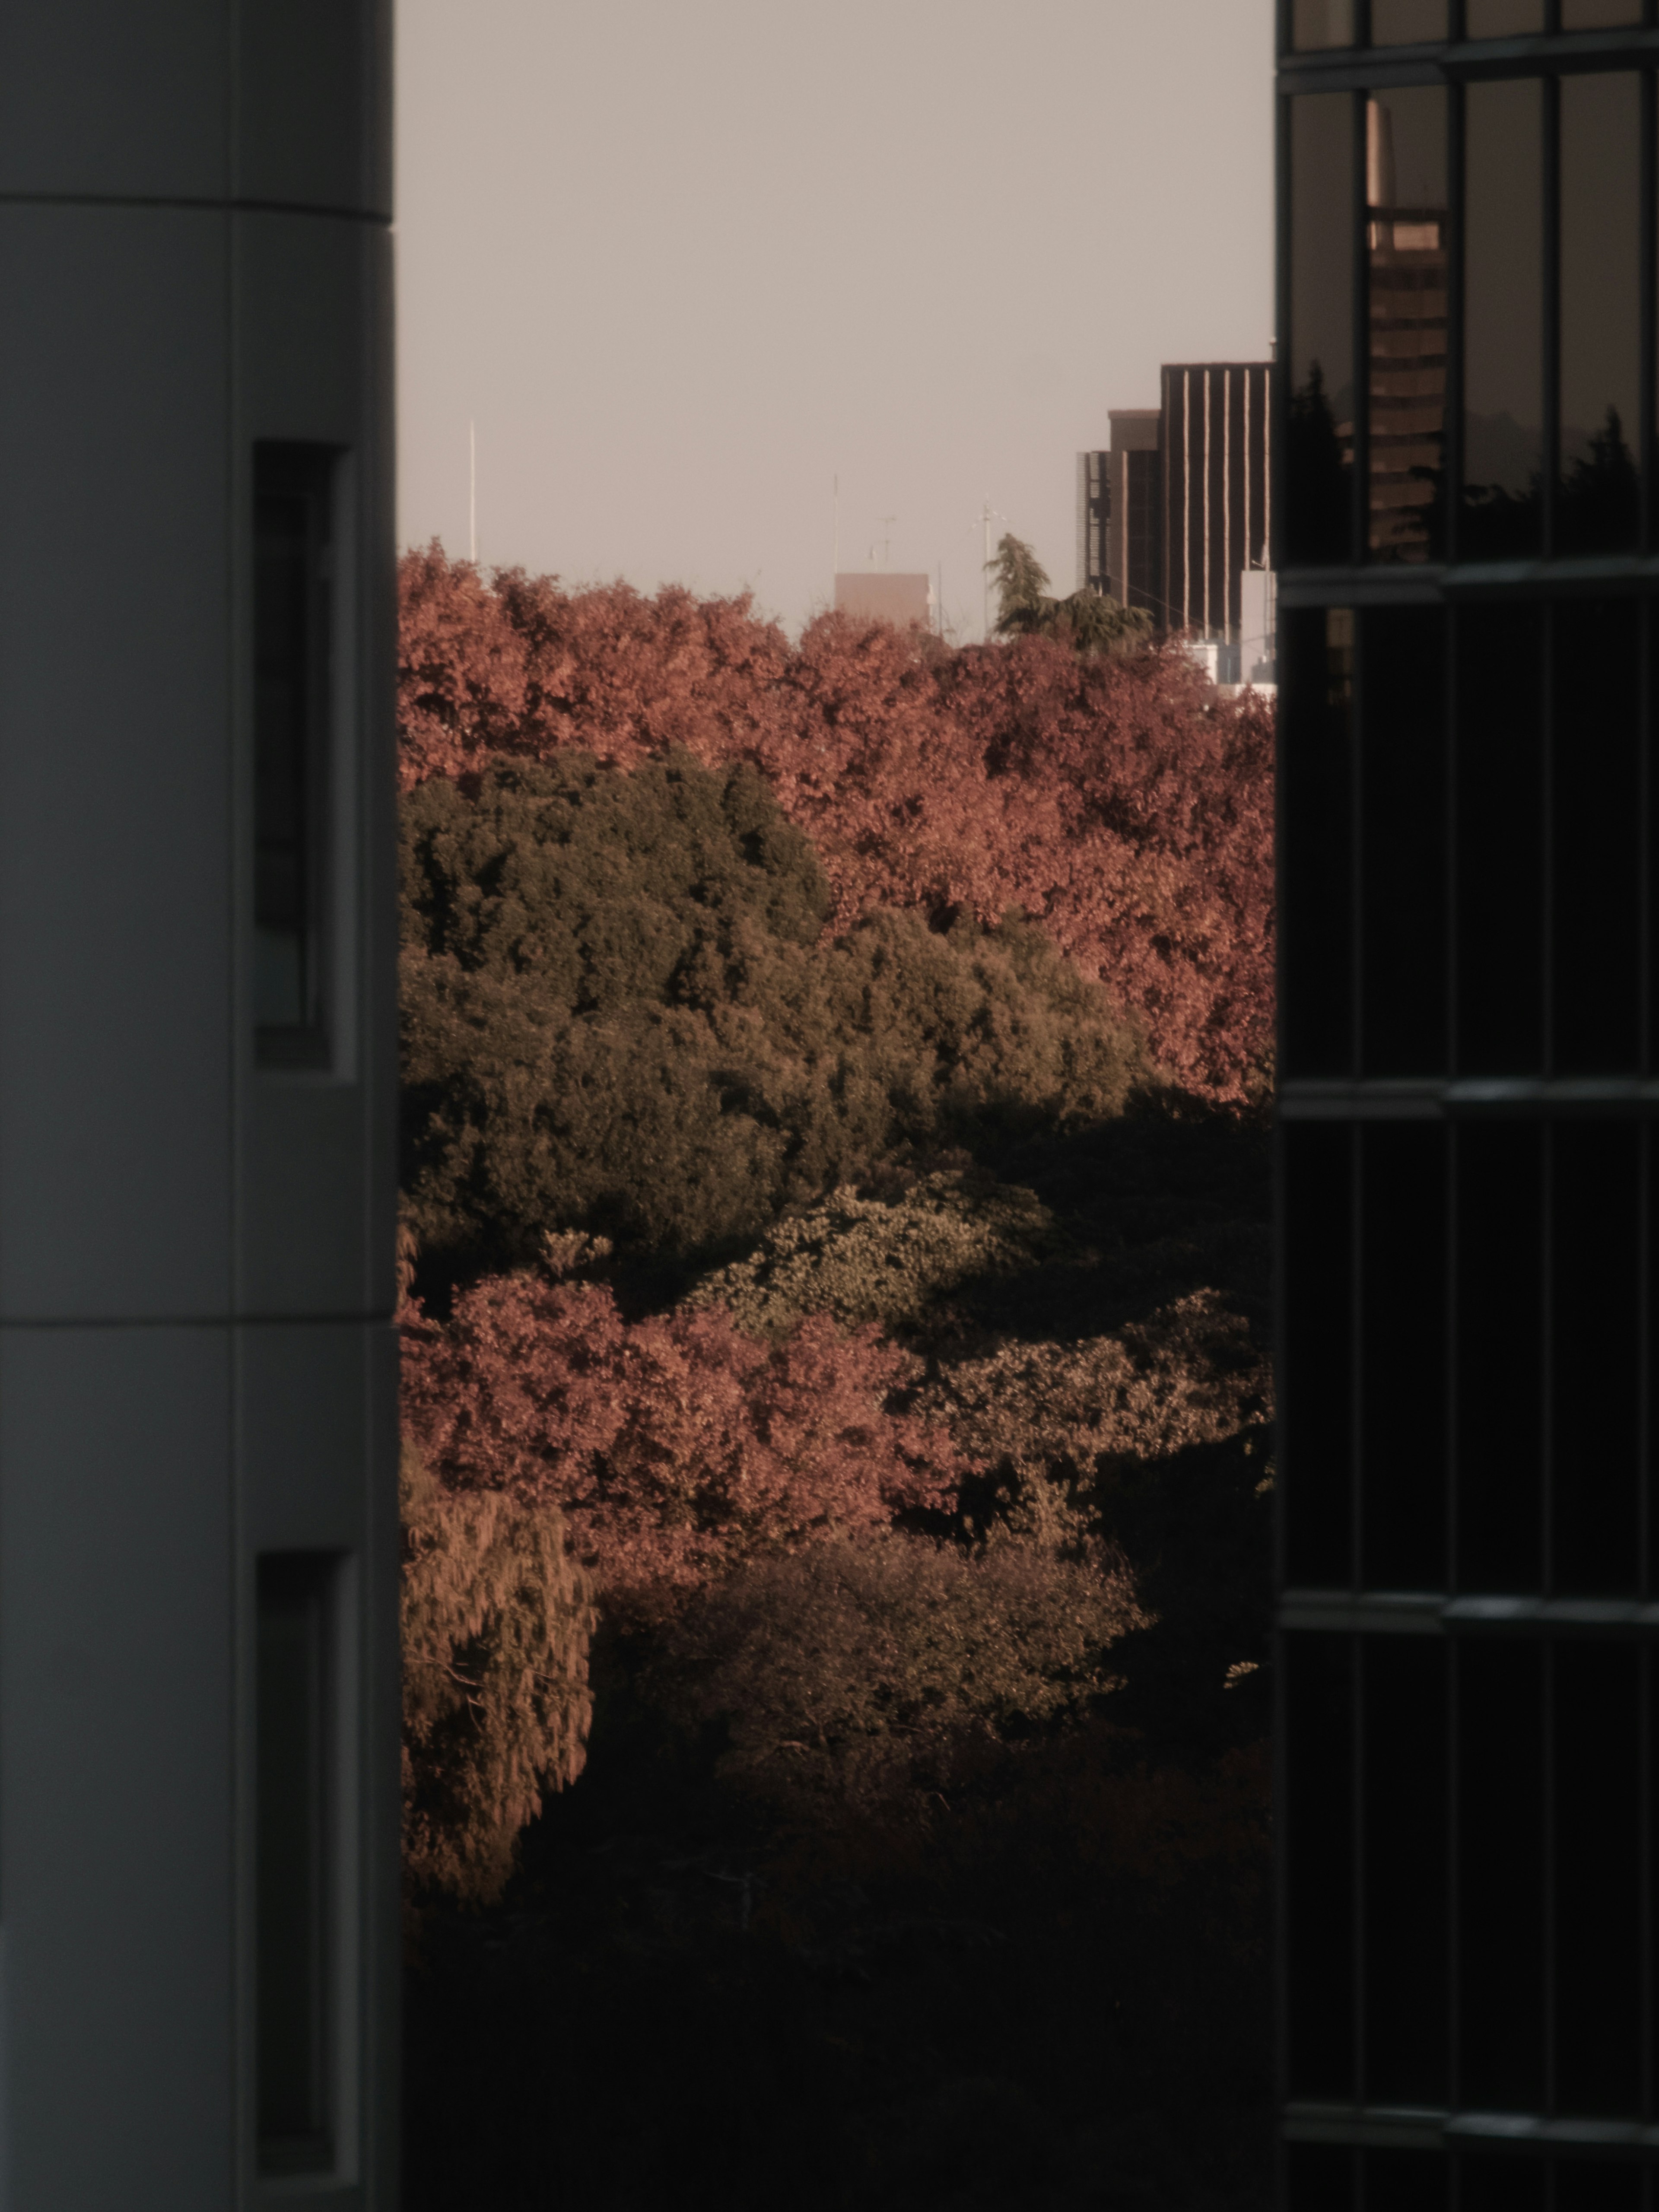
1120, 803
673, 1445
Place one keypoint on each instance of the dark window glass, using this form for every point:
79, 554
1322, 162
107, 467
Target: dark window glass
1319, 1861
1403, 1333
1402, 818
1596, 1217
292, 503
1315, 844
1405, 2180
1321, 23
1497, 2184
1400, 23
1499, 1201
1499, 840
1503, 322
1500, 1874
1596, 837
1595, 15
1321, 2177
1317, 1307
1406, 241
1503, 19
1598, 503
1598, 1879
292, 1861
1597, 2186
1403, 1844
1319, 461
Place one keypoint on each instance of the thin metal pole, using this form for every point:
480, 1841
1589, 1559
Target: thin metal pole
473, 492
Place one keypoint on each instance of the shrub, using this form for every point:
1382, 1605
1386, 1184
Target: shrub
620, 1016
892, 1260
867, 1675
496, 1623
671, 1445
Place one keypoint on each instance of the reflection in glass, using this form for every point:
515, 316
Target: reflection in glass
1400, 23
1598, 501
1504, 322
1503, 19
1321, 458
1406, 249
1596, 14
1322, 23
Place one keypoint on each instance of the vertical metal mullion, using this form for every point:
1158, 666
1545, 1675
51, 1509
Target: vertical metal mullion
1643, 1363
1547, 1391
1356, 1865
1646, 230
1453, 1877
1452, 451
1548, 1901
1551, 96
1359, 517
1358, 634
1645, 1842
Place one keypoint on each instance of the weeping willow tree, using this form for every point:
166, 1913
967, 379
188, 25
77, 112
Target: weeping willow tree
497, 1619
1088, 620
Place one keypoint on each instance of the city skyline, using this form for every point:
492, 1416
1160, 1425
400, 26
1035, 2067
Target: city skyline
758, 254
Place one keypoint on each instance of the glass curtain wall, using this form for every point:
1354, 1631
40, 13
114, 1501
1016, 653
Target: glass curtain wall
1468, 1079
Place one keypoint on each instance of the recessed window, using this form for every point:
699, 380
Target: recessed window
294, 1868
292, 587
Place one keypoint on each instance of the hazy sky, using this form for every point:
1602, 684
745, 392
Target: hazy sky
683, 261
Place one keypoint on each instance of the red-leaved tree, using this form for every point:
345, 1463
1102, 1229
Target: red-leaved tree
673, 1446
1122, 804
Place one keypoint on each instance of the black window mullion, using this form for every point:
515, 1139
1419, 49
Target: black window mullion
1357, 1362
1546, 839
1644, 439
1455, 1875
1644, 1904
1547, 1901
1546, 1293
1642, 1578
1356, 1864
1359, 518
1451, 451
1551, 309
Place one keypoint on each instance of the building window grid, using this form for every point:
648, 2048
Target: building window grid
1548, 985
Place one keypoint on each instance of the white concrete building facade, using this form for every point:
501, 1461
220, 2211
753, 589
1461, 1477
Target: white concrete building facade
199, 1542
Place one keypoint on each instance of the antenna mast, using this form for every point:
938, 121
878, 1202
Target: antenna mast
473, 492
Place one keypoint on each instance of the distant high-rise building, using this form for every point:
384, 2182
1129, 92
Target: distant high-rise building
902, 600
1177, 510
1406, 247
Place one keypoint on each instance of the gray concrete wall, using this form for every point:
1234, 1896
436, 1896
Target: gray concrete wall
196, 1252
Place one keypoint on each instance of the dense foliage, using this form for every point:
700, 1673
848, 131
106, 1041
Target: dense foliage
1113, 799
620, 1015
673, 1444
835, 1281
497, 1619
